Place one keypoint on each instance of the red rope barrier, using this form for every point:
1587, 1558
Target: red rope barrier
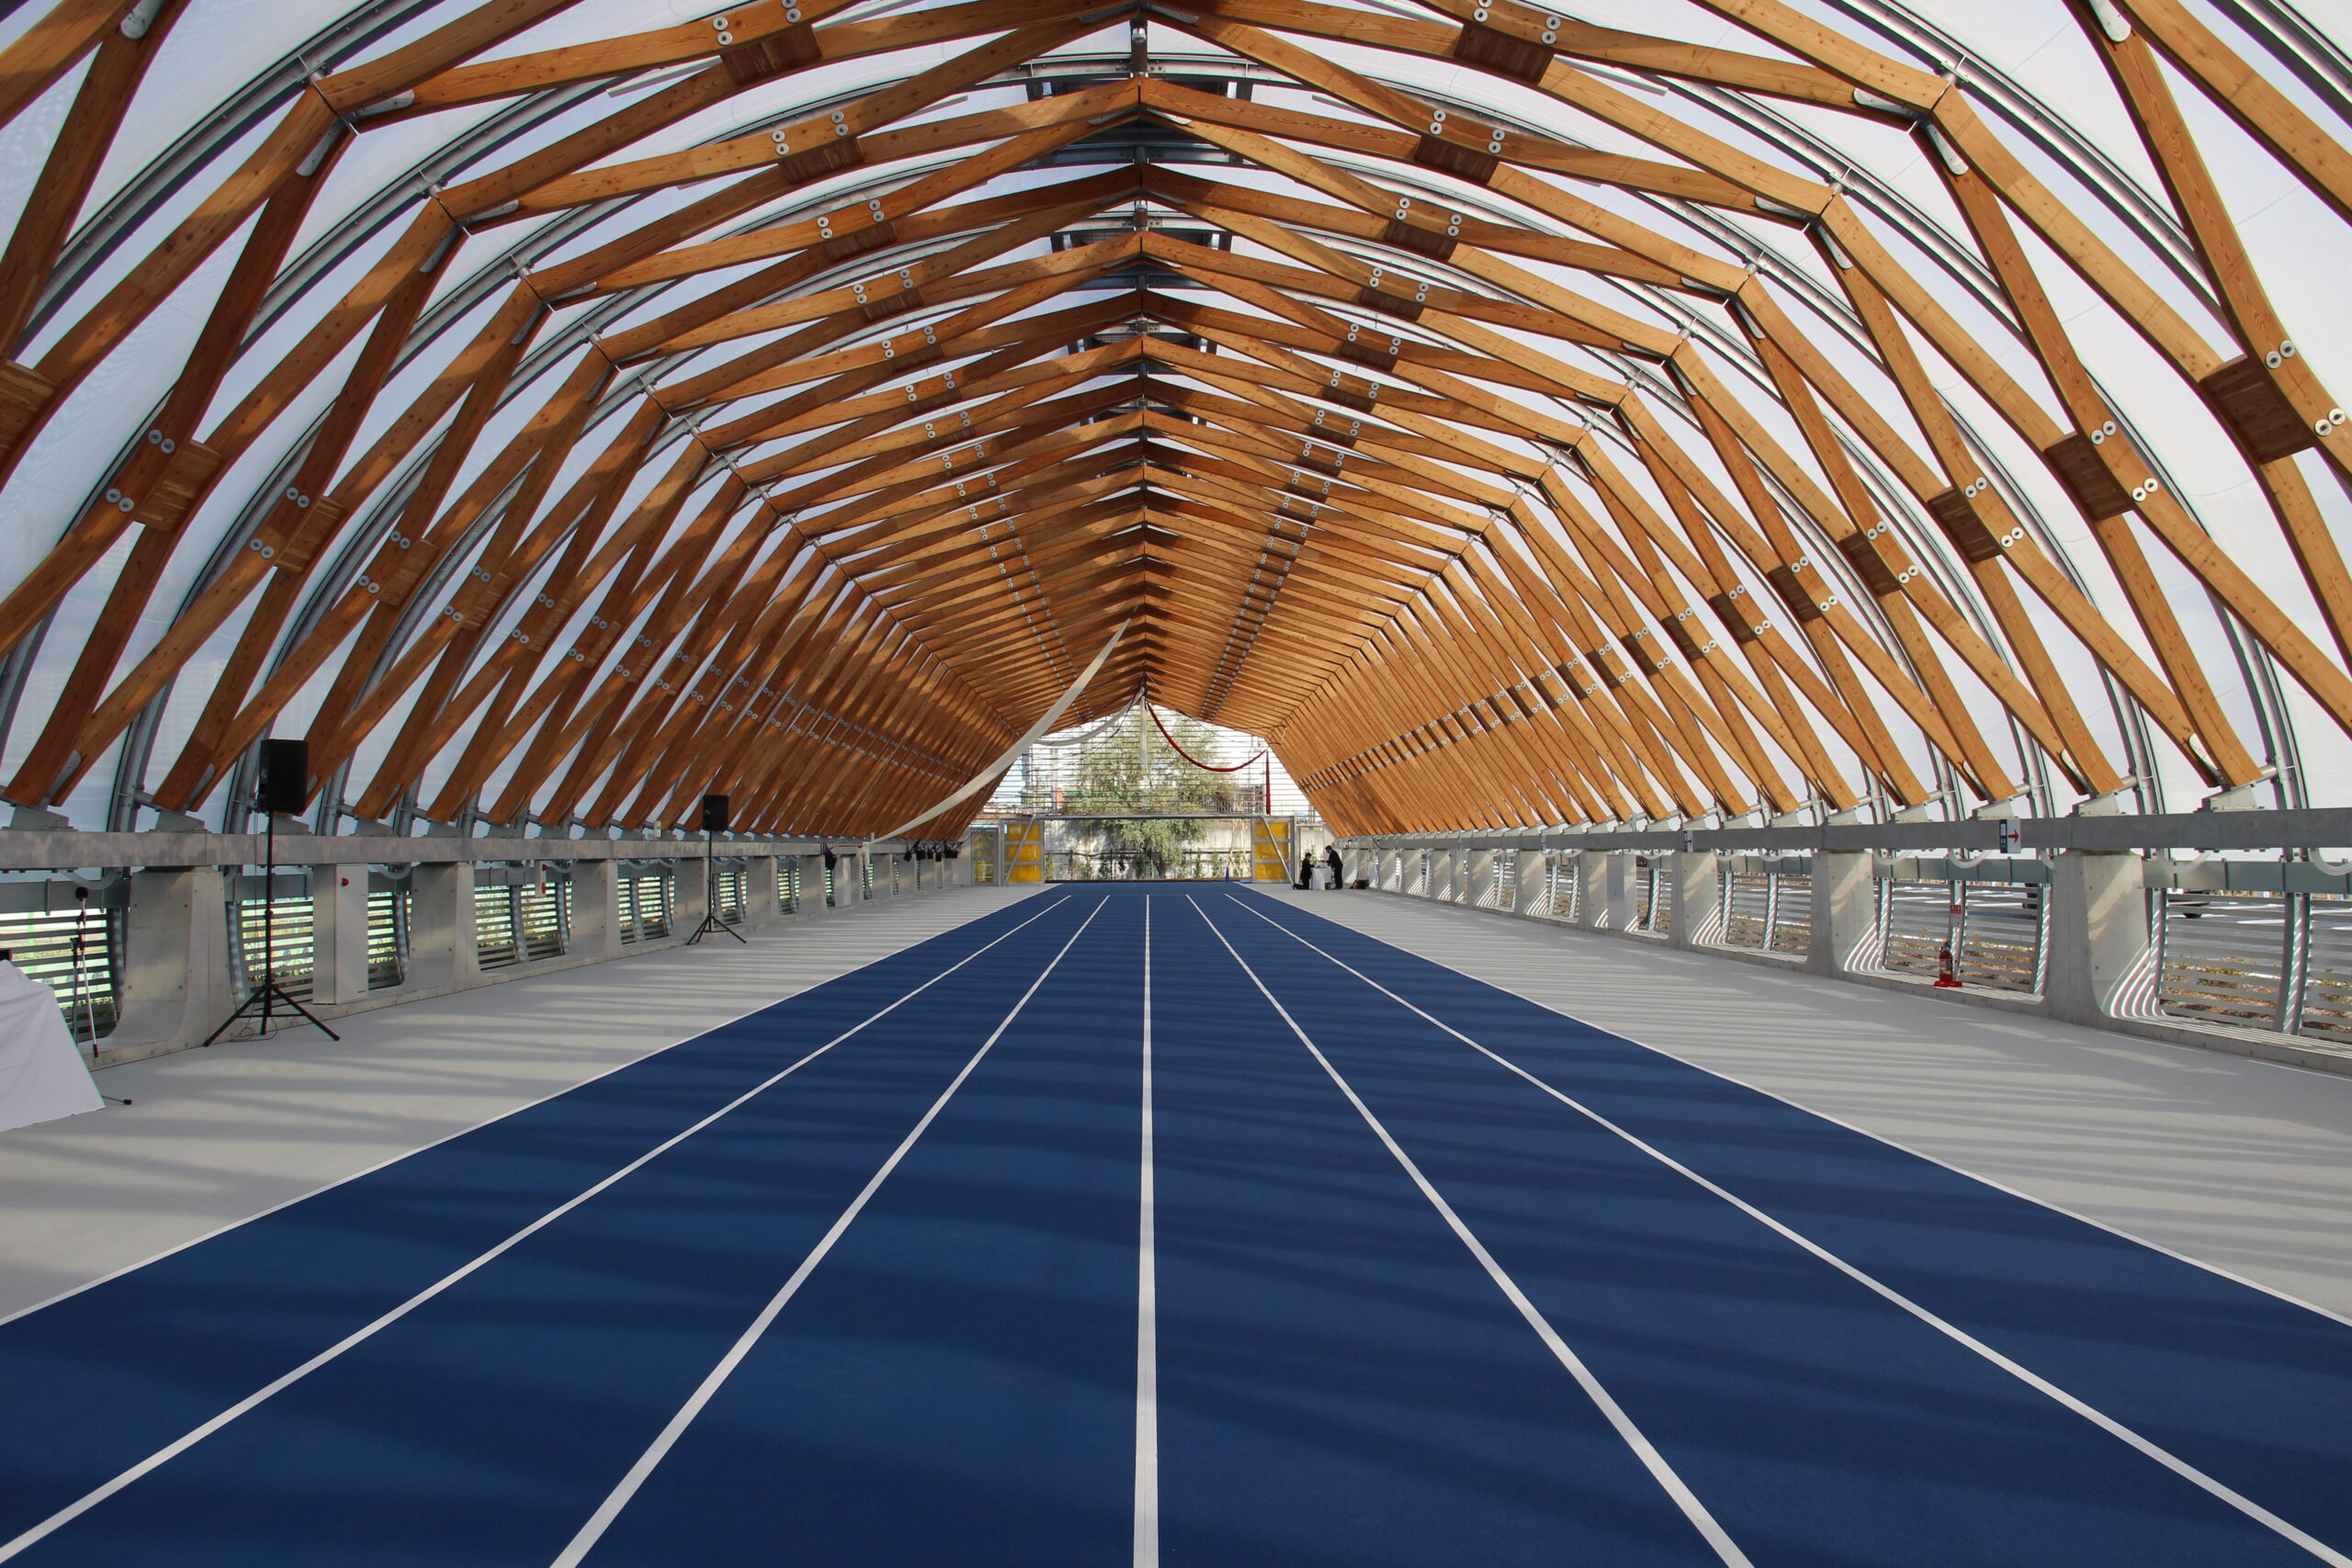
1211, 767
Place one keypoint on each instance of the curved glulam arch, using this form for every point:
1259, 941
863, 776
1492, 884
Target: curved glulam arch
1515, 419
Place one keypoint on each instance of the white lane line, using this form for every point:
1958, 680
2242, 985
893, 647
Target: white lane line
164, 1455
1665, 1474
656, 1452
1941, 1162
648, 1054
1146, 1308
2031, 1379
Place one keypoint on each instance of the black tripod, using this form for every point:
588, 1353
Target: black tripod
82, 980
266, 997
710, 920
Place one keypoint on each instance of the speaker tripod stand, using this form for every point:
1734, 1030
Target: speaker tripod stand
82, 981
711, 923
269, 996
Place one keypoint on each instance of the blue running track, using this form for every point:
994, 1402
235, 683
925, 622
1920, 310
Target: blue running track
1169, 1226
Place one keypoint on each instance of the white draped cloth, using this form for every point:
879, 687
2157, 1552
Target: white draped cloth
42, 1074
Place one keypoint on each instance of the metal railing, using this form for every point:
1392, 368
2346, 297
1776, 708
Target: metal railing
76, 950
1768, 905
728, 893
1652, 904
519, 921
275, 915
1997, 909
388, 909
1563, 895
2324, 1009
2248, 915
646, 903
2228, 957
2279, 961
173, 935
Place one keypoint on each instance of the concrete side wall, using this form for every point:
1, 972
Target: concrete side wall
179, 980
2098, 941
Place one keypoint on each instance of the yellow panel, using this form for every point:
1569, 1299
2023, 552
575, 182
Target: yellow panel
1270, 840
1024, 852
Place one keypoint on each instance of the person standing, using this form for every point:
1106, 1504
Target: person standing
1331, 861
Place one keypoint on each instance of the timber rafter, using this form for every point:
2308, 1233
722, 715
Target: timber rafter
1537, 451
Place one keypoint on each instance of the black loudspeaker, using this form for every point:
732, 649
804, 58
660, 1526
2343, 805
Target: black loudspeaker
714, 813
285, 786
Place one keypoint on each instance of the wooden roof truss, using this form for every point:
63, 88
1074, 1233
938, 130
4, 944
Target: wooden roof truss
1534, 452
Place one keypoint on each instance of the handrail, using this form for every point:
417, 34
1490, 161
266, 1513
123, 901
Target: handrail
2301, 828
40, 850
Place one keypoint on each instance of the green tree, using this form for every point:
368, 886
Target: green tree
1148, 800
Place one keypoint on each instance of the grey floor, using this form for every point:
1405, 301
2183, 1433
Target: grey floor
2243, 1165
215, 1138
